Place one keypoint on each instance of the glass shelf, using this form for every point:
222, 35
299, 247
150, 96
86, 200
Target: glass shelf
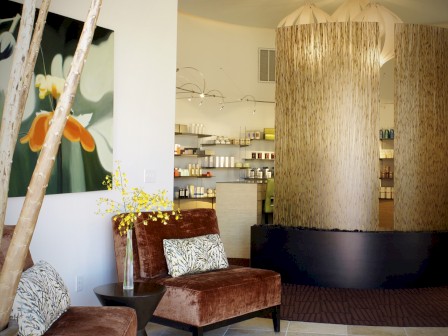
233, 145
221, 167
194, 198
194, 134
191, 155
192, 176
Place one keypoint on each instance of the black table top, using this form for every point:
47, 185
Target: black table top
141, 289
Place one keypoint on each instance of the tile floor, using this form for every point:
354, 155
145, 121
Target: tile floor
263, 327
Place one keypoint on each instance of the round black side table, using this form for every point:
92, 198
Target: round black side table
144, 298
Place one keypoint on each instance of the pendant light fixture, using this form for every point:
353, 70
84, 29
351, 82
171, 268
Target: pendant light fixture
375, 12
348, 10
305, 14
351, 11
370, 11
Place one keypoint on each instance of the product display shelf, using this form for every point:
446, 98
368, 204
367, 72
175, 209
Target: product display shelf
386, 183
269, 140
194, 198
224, 145
221, 167
185, 203
239, 152
194, 134
190, 155
192, 176
256, 179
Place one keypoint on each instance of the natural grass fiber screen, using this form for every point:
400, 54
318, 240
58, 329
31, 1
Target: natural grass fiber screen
421, 141
327, 113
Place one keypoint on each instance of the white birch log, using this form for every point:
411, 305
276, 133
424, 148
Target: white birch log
11, 118
20, 242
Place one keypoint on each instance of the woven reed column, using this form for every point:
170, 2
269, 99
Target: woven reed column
327, 112
421, 142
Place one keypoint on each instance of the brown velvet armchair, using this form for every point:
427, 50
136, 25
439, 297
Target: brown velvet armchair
85, 321
203, 301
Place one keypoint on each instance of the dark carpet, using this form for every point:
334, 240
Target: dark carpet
416, 307
419, 307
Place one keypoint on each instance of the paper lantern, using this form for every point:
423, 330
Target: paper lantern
348, 10
305, 14
374, 12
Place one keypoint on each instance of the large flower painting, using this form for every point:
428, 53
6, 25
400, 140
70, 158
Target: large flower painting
85, 155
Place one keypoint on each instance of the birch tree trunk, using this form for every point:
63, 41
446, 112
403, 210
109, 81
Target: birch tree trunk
7, 147
11, 116
15, 257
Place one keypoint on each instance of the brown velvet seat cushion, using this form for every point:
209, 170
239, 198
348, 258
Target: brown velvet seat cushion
205, 298
194, 222
94, 321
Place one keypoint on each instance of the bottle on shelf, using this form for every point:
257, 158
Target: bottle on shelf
386, 173
386, 134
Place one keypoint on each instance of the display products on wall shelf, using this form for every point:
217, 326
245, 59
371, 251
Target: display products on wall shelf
386, 178
208, 159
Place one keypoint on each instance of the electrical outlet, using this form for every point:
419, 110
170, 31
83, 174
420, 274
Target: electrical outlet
149, 176
79, 284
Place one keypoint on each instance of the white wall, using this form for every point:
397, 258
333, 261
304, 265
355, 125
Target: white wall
68, 234
227, 56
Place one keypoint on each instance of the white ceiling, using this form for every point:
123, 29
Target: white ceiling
268, 13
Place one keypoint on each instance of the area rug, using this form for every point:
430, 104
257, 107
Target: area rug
420, 307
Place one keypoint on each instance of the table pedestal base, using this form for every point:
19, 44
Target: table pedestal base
144, 298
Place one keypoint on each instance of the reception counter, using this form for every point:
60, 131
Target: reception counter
238, 207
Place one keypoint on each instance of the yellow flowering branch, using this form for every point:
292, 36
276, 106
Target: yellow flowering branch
133, 203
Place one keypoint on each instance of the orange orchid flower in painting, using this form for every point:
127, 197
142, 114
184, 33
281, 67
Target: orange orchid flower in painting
73, 131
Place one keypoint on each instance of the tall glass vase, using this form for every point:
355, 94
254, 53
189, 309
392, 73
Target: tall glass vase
128, 279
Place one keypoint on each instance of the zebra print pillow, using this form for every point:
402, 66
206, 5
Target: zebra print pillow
194, 255
41, 298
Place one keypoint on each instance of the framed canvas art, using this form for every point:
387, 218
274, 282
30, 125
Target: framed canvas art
85, 154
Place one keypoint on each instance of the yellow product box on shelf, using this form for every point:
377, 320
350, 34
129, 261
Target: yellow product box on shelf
183, 128
386, 153
269, 133
180, 128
